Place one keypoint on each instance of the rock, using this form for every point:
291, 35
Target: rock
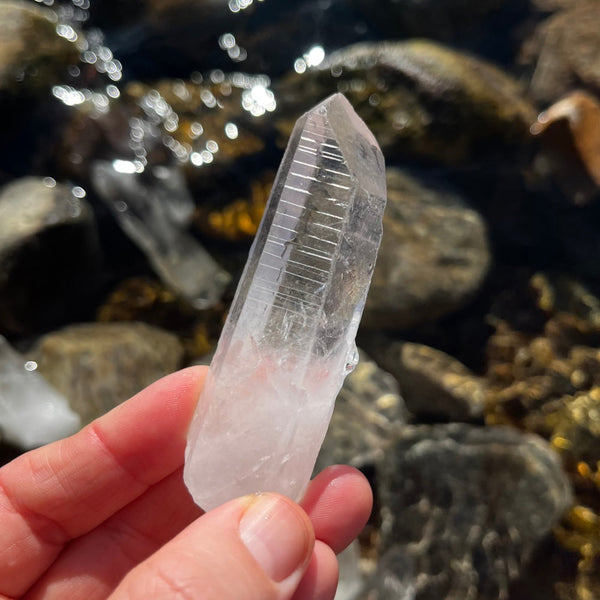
147, 300
421, 99
433, 384
49, 253
219, 108
555, 5
368, 411
469, 505
548, 382
237, 221
218, 131
99, 365
212, 128
565, 53
33, 56
393, 579
577, 426
570, 140
33, 59
433, 259
531, 375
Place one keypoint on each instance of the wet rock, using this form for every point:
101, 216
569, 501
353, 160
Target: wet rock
213, 128
237, 221
220, 109
554, 5
531, 375
577, 426
570, 138
548, 382
433, 258
99, 365
419, 98
149, 301
49, 253
33, 56
565, 53
220, 130
393, 579
367, 412
433, 384
469, 505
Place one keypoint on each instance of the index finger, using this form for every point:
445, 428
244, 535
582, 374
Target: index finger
61, 491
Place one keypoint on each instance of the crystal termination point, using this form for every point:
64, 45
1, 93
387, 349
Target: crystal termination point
288, 342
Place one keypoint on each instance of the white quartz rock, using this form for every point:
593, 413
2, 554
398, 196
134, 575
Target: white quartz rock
288, 342
32, 413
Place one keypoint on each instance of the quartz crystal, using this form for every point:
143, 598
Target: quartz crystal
154, 209
32, 413
288, 342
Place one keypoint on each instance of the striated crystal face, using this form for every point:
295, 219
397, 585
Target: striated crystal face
288, 342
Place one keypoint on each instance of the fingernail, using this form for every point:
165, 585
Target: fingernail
277, 534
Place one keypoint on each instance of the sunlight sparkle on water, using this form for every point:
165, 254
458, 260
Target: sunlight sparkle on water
67, 32
78, 192
313, 58
124, 166
68, 95
231, 131
258, 100
237, 5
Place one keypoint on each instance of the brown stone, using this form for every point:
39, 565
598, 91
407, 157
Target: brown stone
570, 137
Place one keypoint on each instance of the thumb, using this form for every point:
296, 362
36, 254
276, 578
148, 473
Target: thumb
256, 547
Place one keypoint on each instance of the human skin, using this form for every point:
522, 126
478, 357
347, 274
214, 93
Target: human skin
105, 514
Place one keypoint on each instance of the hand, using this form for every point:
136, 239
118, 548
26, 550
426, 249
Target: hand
105, 514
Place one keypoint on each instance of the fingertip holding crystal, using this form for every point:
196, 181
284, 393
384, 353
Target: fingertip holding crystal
288, 342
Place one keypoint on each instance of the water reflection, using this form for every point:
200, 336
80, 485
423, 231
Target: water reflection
237, 5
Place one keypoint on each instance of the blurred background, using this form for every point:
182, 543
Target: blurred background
138, 143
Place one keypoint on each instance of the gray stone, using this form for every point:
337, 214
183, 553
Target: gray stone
368, 412
33, 57
433, 384
394, 578
565, 53
421, 99
469, 505
49, 253
433, 259
99, 365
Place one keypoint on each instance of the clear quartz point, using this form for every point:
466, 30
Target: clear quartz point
288, 342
